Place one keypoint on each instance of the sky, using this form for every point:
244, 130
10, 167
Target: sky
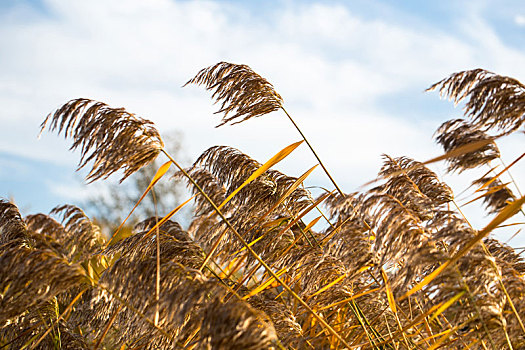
352, 74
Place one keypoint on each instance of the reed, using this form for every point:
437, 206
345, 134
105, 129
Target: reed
396, 266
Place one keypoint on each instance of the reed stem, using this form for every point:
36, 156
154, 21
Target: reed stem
314, 153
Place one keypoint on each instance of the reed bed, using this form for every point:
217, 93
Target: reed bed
396, 266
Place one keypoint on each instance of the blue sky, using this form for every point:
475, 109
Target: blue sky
352, 73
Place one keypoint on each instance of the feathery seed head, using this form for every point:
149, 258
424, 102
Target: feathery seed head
493, 101
112, 138
241, 91
458, 132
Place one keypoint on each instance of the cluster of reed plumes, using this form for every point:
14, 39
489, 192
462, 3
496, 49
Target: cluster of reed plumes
396, 266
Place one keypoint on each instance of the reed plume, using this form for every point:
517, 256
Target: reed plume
174, 242
189, 302
82, 238
394, 267
496, 194
33, 276
12, 228
493, 101
455, 133
418, 175
286, 327
241, 91
220, 170
112, 138
231, 168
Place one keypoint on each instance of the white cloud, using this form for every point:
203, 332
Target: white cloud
519, 20
325, 61
72, 192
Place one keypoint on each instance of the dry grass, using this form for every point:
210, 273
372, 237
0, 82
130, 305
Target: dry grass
396, 266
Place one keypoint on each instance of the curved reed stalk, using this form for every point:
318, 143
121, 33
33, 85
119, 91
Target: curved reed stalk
246, 93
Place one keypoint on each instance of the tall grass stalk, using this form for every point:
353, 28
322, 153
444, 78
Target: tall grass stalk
398, 266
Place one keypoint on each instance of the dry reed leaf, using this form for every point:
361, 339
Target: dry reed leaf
158, 175
240, 90
447, 304
285, 152
264, 285
501, 172
496, 196
112, 138
389, 294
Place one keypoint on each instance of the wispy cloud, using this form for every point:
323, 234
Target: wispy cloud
520, 20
